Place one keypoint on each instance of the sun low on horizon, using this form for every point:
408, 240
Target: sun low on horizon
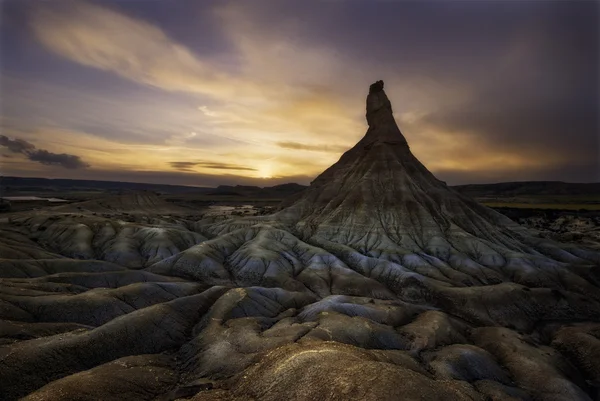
269, 92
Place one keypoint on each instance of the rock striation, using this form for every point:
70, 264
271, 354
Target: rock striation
378, 282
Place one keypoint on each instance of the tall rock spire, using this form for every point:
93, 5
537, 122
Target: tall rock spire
379, 106
380, 117
379, 196
379, 200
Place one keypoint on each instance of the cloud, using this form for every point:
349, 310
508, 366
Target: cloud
63, 159
207, 112
180, 139
272, 46
42, 156
312, 148
102, 38
522, 121
187, 166
16, 145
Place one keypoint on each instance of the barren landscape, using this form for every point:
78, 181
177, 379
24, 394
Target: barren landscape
376, 282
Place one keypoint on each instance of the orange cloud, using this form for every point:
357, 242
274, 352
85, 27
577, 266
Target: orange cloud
102, 38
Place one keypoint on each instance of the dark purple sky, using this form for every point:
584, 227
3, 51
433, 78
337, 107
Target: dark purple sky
266, 92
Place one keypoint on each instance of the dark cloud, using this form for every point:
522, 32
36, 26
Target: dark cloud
187, 166
312, 148
42, 156
15, 145
183, 166
539, 100
63, 159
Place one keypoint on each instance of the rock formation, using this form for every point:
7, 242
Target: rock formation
377, 282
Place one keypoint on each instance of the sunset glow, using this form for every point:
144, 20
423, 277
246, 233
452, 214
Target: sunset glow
273, 92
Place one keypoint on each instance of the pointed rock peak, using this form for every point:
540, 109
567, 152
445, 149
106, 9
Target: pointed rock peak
377, 104
382, 125
376, 87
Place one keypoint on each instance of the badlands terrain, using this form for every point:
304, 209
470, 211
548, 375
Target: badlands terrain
378, 282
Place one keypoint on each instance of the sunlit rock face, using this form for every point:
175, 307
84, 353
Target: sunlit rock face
377, 282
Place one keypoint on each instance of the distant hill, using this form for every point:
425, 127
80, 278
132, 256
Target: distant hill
26, 184
277, 191
12, 185
528, 188
15, 185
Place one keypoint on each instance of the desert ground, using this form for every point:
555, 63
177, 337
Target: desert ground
376, 282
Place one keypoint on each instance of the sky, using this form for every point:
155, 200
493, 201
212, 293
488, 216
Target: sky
258, 92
